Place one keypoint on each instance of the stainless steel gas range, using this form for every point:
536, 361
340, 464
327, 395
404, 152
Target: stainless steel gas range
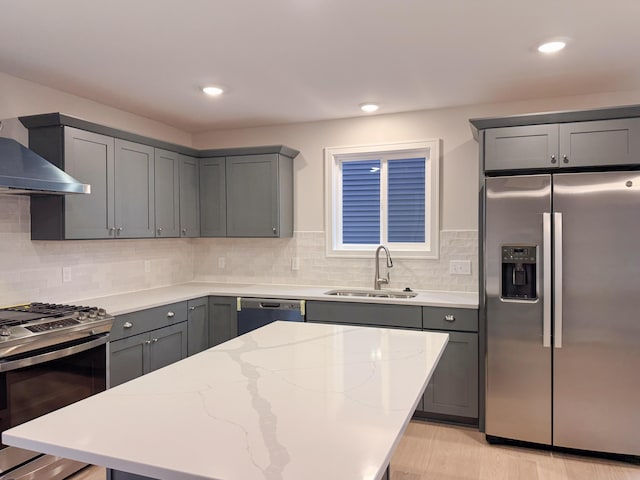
50, 356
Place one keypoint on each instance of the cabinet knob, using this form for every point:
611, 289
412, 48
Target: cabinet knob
112, 230
160, 231
565, 159
118, 230
171, 314
192, 308
553, 159
127, 325
147, 342
450, 318
274, 230
154, 340
184, 231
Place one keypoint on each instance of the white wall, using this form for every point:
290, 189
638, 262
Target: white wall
33, 270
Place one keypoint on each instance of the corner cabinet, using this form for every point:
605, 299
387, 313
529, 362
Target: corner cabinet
247, 196
563, 145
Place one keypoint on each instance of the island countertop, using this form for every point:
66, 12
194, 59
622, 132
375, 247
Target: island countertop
287, 401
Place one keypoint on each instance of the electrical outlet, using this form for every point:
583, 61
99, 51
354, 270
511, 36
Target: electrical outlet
147, 266
66, 274
460, 267
221, 262
295, 263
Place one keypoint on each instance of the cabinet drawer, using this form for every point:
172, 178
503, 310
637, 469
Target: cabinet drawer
439, 318
378, 315
149, 319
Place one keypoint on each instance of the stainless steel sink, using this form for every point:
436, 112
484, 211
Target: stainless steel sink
371, 293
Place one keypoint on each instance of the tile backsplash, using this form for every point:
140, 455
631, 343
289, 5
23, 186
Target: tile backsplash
33, 270
270, 261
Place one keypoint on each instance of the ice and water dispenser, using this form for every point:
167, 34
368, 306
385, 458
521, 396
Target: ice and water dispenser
519, 272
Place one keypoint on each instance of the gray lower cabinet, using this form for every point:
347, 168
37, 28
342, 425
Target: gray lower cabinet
143, 341
564, 145
368, 314
223, 319
452, 391
198, 325
167, 193
189, 197
213, 197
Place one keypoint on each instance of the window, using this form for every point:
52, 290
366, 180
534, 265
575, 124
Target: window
382, 194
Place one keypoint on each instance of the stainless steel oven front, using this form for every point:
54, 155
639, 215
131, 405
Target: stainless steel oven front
46, 364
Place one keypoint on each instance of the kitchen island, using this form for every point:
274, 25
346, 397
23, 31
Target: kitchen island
287, 401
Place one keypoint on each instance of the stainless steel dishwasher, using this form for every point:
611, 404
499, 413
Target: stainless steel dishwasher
256, 312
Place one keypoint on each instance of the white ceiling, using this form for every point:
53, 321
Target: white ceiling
284, 61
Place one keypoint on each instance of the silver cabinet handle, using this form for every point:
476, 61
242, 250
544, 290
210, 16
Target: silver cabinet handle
171, 314
565, 159
557, 279
553, 159
450, 318
546, 279
127, 325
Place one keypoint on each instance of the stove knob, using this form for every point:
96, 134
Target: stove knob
5, 333
82, 316
102, 312
93, 314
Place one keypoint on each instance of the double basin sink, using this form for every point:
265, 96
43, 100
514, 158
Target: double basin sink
371, 293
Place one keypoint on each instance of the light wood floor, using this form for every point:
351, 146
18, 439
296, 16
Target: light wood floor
431, 451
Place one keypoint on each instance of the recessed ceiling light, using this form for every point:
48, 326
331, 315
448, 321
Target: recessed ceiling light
213, 91
551, 47
369, 107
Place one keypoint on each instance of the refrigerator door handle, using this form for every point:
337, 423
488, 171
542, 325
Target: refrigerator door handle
557, 279
546, 279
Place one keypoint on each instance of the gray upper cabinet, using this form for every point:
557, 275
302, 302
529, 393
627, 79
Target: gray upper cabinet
213, 197
134, 190
167, 193
142, 187
89, 157
510, 148
565, 145
259, 196
599, 143
189, 197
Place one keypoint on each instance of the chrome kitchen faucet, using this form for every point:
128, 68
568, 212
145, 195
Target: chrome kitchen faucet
382, 281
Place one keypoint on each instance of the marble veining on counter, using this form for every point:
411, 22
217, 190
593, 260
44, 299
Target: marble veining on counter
142, 299
285, 402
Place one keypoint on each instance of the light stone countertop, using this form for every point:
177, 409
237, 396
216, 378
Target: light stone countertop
139, 300
288, 401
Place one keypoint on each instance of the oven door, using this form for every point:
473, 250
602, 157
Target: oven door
39, 382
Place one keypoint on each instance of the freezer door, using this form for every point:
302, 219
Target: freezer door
597, 368
518, 388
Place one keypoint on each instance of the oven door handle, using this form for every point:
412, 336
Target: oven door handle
54, 355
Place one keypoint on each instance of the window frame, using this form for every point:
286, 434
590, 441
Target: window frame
333, 158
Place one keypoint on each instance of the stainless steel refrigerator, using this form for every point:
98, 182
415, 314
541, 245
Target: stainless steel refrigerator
562, 285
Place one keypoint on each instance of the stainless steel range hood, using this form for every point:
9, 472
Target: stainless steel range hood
23, 172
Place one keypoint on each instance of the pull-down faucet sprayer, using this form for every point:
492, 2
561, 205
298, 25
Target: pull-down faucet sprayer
378, 281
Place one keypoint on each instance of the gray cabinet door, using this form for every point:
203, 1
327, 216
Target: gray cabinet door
198, 325
127, 359
134, 190
189, 198
605, 142
513, 148
372, 314
223, 318
453, 389
89, 157
213, 197
168, 345
252, 196
167, 193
